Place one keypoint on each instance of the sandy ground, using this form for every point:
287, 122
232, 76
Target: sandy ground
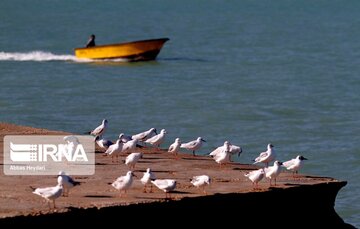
16, 197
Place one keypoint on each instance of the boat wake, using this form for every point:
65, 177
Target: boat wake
35, 56
45, 56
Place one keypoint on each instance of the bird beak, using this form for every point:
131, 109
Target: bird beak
203, 140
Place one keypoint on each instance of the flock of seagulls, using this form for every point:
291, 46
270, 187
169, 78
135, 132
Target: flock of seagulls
129, 145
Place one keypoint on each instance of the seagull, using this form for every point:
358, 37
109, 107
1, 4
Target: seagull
167, 185
100, 129
272, 172
193, 145
132, 158
49, 193
174, 148
130, 146
295, 164
114, 150
146, 179
103, 143
224, 156
234, 149
123, 183
201, 181
67, 182
69, 148
157, 139
71, 139
266, 157
255, 176
125, 138
144, 135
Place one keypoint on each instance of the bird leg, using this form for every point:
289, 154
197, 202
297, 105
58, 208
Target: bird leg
204, 191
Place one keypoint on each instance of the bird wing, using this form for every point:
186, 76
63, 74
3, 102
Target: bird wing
235, 149
152, 139
98, 130
216, 151
261, 156
188, 144
289, 163
47, 192
172, 147
110, 150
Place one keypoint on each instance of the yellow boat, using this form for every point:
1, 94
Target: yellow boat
131, 51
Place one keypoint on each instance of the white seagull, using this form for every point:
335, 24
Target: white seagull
71, 144
143, 136
234, 149
147, 178
255, 176
193, 145
129, 146
224, 156
67, 182
295, 164
157, 139
114, 150
123, 183
132, 159
103, 143
267, 156
100, 130
201, 181
272, 172
125, 138
167, 185
49, 193
175, 147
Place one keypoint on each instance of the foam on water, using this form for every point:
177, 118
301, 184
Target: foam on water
35, 56
46, 56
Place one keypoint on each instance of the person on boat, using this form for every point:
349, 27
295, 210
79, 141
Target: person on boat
91, 41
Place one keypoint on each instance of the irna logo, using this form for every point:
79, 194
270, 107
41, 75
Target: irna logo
46, 155
46, 152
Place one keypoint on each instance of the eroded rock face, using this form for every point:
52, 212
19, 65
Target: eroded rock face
304, 205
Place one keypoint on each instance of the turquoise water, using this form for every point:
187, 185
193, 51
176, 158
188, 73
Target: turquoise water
251, 72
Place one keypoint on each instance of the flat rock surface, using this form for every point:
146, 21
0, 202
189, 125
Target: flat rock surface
16, 197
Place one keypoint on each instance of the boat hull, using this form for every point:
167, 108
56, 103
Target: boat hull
131, 51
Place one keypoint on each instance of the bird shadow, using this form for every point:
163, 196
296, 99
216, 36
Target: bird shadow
152, 158
180, 192
196, 158
155, 171
98, 196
